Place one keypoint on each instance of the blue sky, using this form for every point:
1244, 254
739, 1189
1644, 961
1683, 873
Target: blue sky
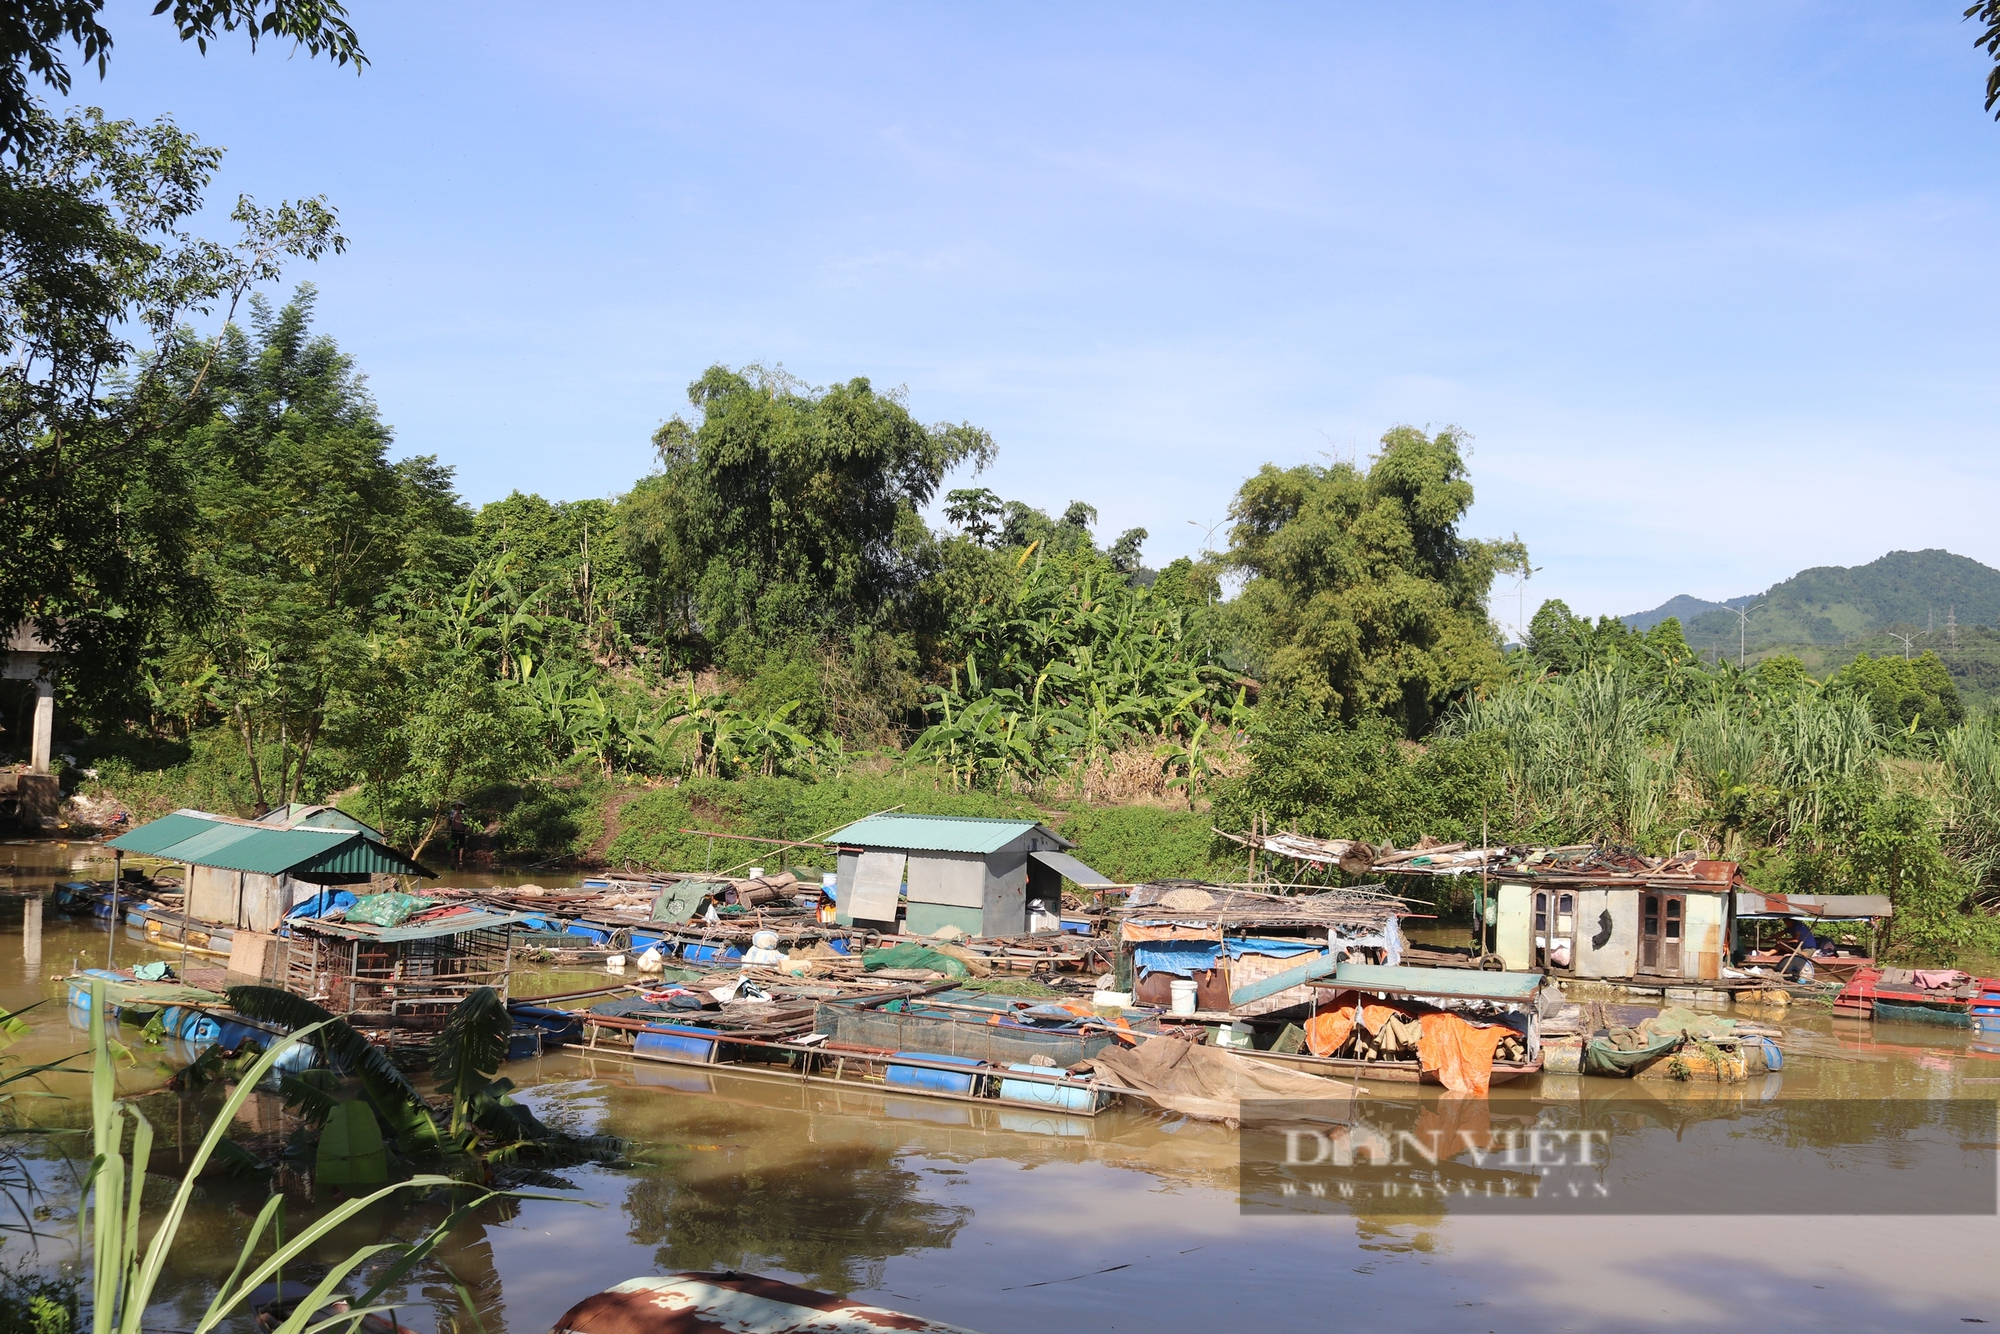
1709, 284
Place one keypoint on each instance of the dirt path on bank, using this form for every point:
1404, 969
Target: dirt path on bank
594, 855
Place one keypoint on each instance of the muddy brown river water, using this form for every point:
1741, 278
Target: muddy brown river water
1006, 1221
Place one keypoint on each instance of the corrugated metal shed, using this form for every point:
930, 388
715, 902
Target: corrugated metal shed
938, 833
262, 850
150, 838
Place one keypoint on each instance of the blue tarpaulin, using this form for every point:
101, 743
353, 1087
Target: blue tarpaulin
1183, 958
1179, 957
322, 903
1239, 946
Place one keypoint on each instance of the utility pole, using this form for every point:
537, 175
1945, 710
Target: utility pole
1951, 628
1521, 577
1743, 630
1906, 643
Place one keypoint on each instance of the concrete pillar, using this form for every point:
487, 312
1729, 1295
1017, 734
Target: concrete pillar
31, 938
45, 726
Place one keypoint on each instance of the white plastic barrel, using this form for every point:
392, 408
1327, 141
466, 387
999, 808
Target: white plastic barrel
1183, 996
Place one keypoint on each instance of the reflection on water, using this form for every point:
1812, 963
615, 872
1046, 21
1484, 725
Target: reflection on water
1011, 1219
835, 1215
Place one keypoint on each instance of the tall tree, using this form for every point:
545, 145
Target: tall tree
94, 505
33, 34
1361, 596
787, 510
306, 531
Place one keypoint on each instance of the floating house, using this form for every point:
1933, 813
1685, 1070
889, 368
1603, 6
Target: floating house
1668, 921
247, 874
407, 976
985, 876
1249, 954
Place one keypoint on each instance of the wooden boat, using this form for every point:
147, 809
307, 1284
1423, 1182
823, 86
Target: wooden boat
1973, 1005
1395, 1072
1515, 992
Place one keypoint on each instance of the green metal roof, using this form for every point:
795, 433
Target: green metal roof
939, 833
300, 815
262, 850
361, 855
148, 839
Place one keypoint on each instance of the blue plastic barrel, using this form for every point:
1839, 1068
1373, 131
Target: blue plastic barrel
687, 1044
1077, 1097
191, 1026
945, 1081
1773, 1058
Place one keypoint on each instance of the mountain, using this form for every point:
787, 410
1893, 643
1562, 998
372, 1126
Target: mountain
1831, 605
1681, 605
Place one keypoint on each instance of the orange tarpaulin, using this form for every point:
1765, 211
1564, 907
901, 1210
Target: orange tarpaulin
1461, 1053
1327, 1032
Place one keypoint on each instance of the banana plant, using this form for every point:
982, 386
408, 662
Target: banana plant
1187, 761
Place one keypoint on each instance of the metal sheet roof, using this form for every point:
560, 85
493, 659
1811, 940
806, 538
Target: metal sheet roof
939, 833
1753, 904
457, 924
149, 838
1409, 981
300, 815
200, 840
1065, 865
361, 855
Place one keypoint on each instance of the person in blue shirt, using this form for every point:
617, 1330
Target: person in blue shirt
1799, 945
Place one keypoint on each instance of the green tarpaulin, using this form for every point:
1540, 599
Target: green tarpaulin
390, 909
1602, 1057
915, 956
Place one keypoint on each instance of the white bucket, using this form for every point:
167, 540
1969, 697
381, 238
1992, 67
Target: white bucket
615, 961
1183, 994
756, 873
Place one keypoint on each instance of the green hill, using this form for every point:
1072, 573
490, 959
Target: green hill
1827, 614
1833, 605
